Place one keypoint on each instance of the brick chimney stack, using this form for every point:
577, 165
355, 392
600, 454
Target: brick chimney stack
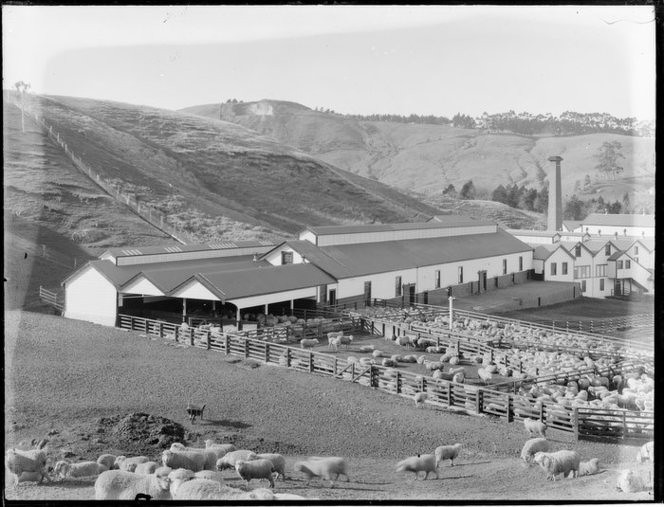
555, 215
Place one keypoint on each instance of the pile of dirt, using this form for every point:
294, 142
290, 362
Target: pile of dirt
140, 432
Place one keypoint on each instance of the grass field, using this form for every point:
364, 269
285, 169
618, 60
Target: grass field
584, 309
61, 376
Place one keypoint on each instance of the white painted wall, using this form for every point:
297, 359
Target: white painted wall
373, 237
558, 257
195, 290
275, 257
90, 296
539, 240
309, 236
142, 286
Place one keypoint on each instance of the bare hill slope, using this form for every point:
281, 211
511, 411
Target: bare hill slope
426, 158
218, 179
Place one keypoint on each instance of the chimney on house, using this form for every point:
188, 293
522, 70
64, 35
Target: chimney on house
555, 216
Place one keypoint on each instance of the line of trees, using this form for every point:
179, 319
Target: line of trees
412, 118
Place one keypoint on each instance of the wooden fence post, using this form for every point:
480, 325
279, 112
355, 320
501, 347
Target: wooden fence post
267, 352
177, 332
288, 357
191, 336
335, 366
208, 339
449, 394
510, 414
311, 362
542, 412
398, 382
246, 348
478, 401
226, 344
575, 422
624, 421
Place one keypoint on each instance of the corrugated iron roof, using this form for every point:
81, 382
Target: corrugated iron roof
620, 220
193, 247
442, 222
534, 233
543, 252
347, 261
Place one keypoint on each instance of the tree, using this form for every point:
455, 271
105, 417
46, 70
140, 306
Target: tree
450, 191
614, 208
541, 203
21, 88
527, 201
608, 156
468, 190
499, 194
626, 206
587, 183
575, 209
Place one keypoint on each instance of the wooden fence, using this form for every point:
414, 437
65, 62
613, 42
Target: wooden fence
441, 393
51, 298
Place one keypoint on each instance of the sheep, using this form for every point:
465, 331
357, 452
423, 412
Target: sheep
390, 363
377, 353
459, 378
191, 460
646, 452
454, 360
484, 375
444, 452
420, 398
535, 426
30, 477
421, 359
129, 464
83, 469
122, 485
108, 460
367, 348
278, 461
533, 446
589, 467
19, 462
420, 463
460, 369
308, 343
210, 475
631, 481
146, 468
560, 462
203, 489
211, 453
333, 343
404, 340
225, 448
255, 469
410, 358
229, 460
333, 335
329, 468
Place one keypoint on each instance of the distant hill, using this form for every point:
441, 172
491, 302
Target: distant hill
218, 179
426, 158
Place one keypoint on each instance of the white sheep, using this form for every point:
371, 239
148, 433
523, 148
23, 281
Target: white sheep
560, 462
420, 398
460, 369
146, 468
122, 485
333, 336
108, 460
64, 469
30, 477
632, 481
646, 452
191, 460
308, 343
278, 461
333, 343
420, 463
377, 353
532, 447
390, 363
444, 452
346, 340
367, 348
410, 358
328, 468
484, 375
129, 464
18, 461
255, 469
229, 460
210, 475
187, 487
535, 426
590, 467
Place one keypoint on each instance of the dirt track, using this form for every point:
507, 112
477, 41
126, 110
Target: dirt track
87, 372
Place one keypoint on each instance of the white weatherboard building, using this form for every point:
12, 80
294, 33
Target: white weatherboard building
326, 265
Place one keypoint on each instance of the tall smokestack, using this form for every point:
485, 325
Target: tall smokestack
555, 218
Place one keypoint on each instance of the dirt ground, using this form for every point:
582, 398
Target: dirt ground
63, 377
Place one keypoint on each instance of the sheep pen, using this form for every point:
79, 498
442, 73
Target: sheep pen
246, 405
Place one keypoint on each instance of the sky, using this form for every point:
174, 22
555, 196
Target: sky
353, 59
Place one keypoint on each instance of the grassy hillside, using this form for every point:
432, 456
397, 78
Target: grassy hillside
217, 179
498, 212
427, 158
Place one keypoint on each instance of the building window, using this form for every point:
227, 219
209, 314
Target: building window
583, 286
564, 268
437, 275
620, 264
460, 274
636, 250
520, 263
607, 250
600, 270
628, 264
636, 259
397, 286
554, 269
504, 266
287, 257
581, 272
601, 284
577, 251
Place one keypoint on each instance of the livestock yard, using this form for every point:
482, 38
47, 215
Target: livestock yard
264, 392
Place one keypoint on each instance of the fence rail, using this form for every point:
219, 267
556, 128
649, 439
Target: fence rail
441, 393
51, 298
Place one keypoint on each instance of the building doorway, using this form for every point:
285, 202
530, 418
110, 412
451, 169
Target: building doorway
482, 281
333, 297
367, 293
